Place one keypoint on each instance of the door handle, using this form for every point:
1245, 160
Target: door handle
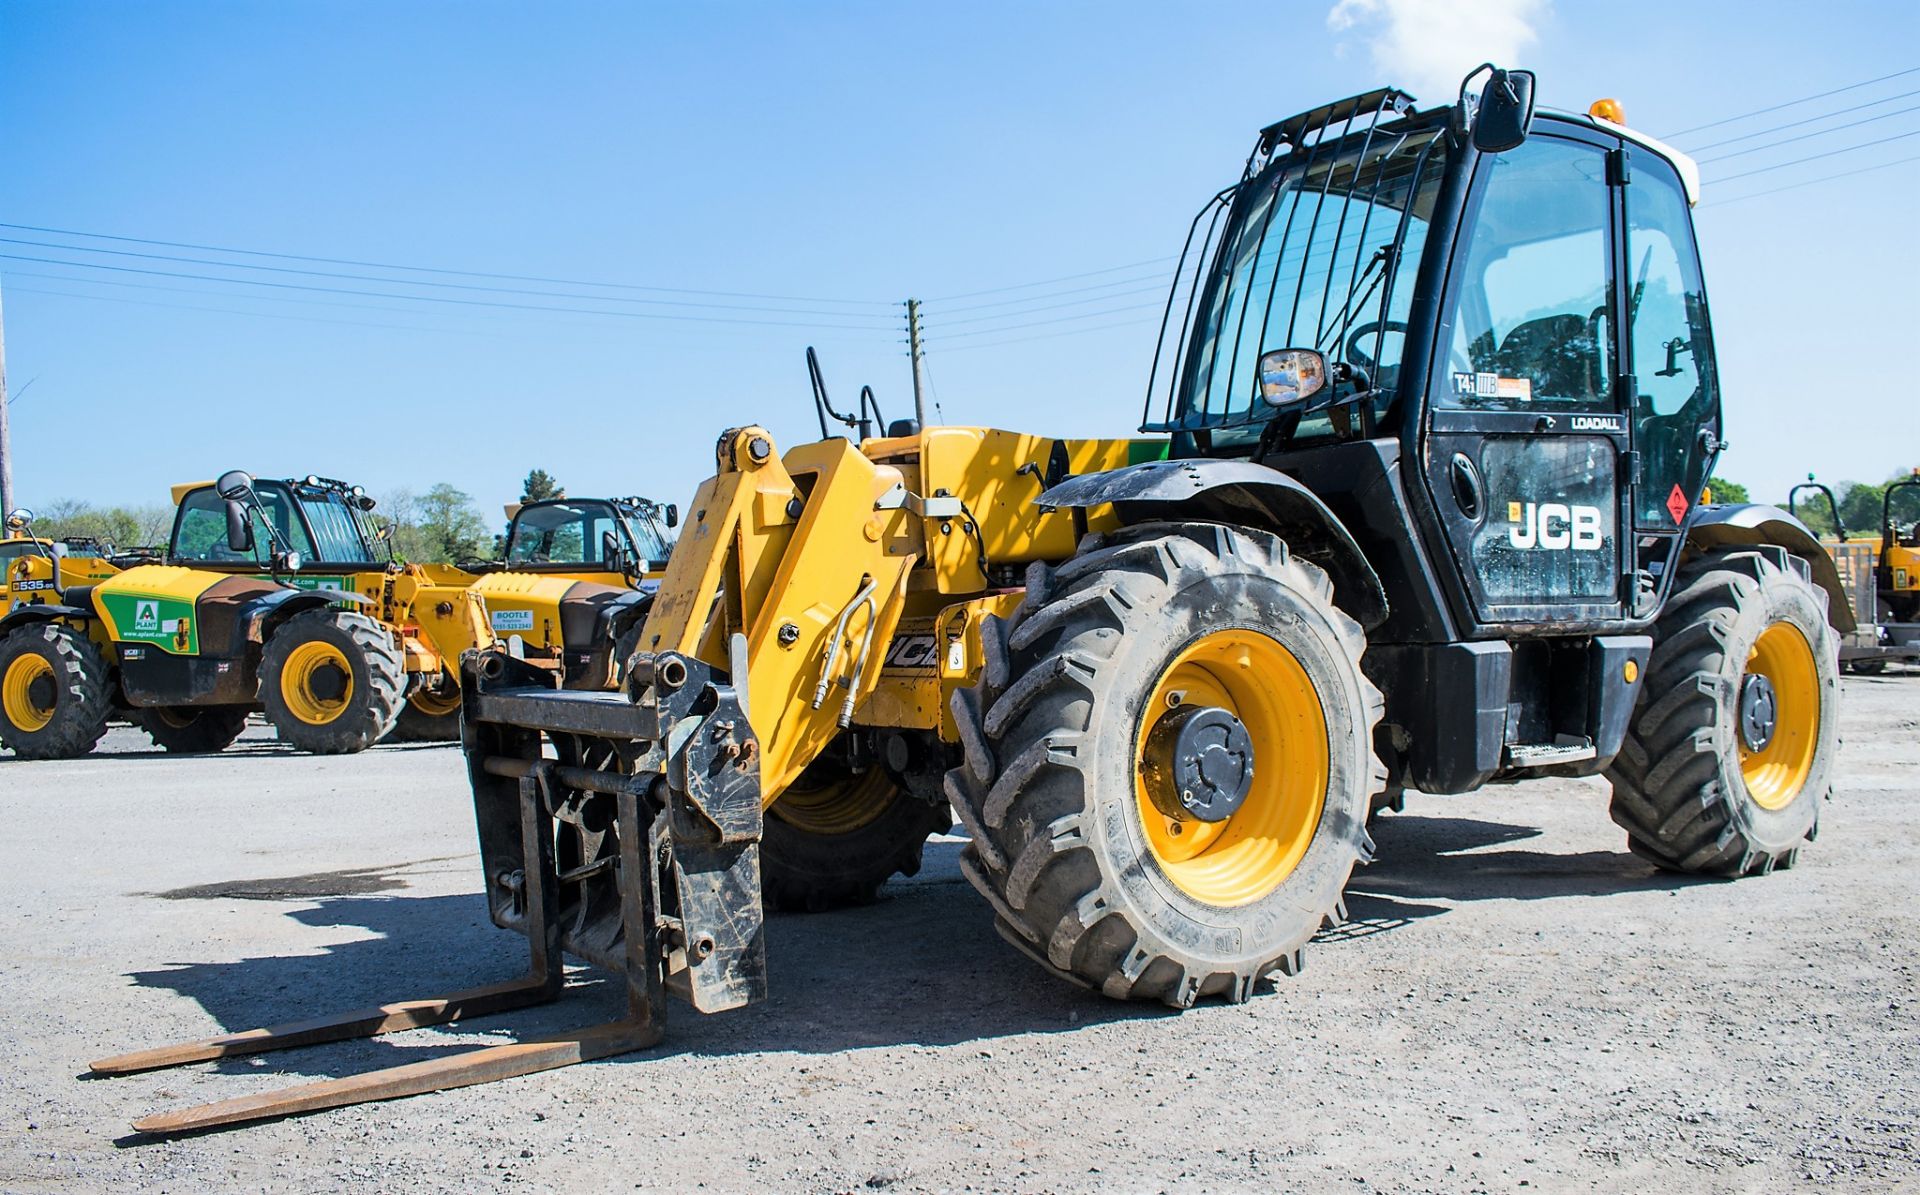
1467, 490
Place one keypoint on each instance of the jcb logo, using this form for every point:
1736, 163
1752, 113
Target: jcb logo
913, 651
1554, 525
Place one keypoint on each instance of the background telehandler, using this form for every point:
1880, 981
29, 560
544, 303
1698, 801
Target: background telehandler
572, 587
1880, 573
313, 535
1413, 506
188, 648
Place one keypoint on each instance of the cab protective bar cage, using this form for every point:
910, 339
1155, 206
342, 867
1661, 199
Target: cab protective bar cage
1331, 127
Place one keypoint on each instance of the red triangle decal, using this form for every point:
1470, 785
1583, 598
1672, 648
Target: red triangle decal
1677, 504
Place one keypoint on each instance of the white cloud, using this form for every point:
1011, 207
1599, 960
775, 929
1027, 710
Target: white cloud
1426, 46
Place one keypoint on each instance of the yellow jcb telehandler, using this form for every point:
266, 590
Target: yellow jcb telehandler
1881, 574
1412, 507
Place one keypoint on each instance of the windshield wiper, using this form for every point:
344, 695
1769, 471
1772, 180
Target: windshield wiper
1370, 278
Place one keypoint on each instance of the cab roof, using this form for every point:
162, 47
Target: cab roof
1688, 169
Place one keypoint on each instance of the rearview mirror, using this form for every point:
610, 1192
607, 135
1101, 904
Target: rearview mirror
1289, 376
19, 520
1506, 111
673, 515
383, 533
239, 527
234, 483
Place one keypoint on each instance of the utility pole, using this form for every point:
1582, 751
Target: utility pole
6, 437
918, 352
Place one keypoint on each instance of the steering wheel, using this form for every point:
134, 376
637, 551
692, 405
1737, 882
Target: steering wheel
1360, 358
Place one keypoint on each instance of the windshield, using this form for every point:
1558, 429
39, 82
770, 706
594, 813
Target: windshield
336, 532
200, 527
569, 532
651, 534
1319, 250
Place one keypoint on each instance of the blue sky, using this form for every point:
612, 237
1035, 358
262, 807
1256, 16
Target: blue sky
839, 157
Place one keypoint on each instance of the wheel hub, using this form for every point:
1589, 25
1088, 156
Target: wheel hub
1759, 711
328, 683
1199, 764
42, 693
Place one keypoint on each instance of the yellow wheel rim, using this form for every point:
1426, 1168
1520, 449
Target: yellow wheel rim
1244, 857
1775, 774
827, 799
313, 672
436, 703
24, 710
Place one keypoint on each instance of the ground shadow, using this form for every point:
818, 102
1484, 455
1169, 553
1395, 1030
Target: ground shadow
1424, 858
923, 966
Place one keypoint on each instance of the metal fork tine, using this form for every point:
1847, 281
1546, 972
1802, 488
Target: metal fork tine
415, 1078
361, 1022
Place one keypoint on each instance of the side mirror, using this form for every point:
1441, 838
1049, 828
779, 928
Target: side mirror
383, 533
673, 515
234, 484
239, 527
1506, 110
19, 520
1290, 376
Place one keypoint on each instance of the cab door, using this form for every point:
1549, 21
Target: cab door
1527, 435
1675, 386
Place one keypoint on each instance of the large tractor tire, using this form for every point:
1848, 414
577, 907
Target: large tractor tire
1168, 770
332, 682
1730, 751
429, 716
835, 836
55, 695
193, 730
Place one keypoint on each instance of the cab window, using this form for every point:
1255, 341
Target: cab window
567, 533
1531, 315
1676, 388
200, 528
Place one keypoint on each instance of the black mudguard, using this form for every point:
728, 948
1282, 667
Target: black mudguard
1757, 523
260, 615
1242, 493
38, 612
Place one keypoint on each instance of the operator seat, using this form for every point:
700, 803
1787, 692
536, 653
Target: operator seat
1557, 353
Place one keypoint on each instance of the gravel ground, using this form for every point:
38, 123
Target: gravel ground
1518, 1003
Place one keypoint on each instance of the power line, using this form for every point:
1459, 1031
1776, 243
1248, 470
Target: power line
459, 286
1794, 124
1155, 288
1816, 157
987, 344
1754, 149
1046, 322
331, 290
304, 319
376, 265
1810, 181
999, 290
1714, 124
1054, 294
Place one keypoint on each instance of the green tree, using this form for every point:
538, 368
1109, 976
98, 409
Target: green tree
450, 528
438, 526
1727, 491
1862, 505
121, 526
541, 485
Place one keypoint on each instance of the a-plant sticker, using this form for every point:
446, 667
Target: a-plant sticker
166, 623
